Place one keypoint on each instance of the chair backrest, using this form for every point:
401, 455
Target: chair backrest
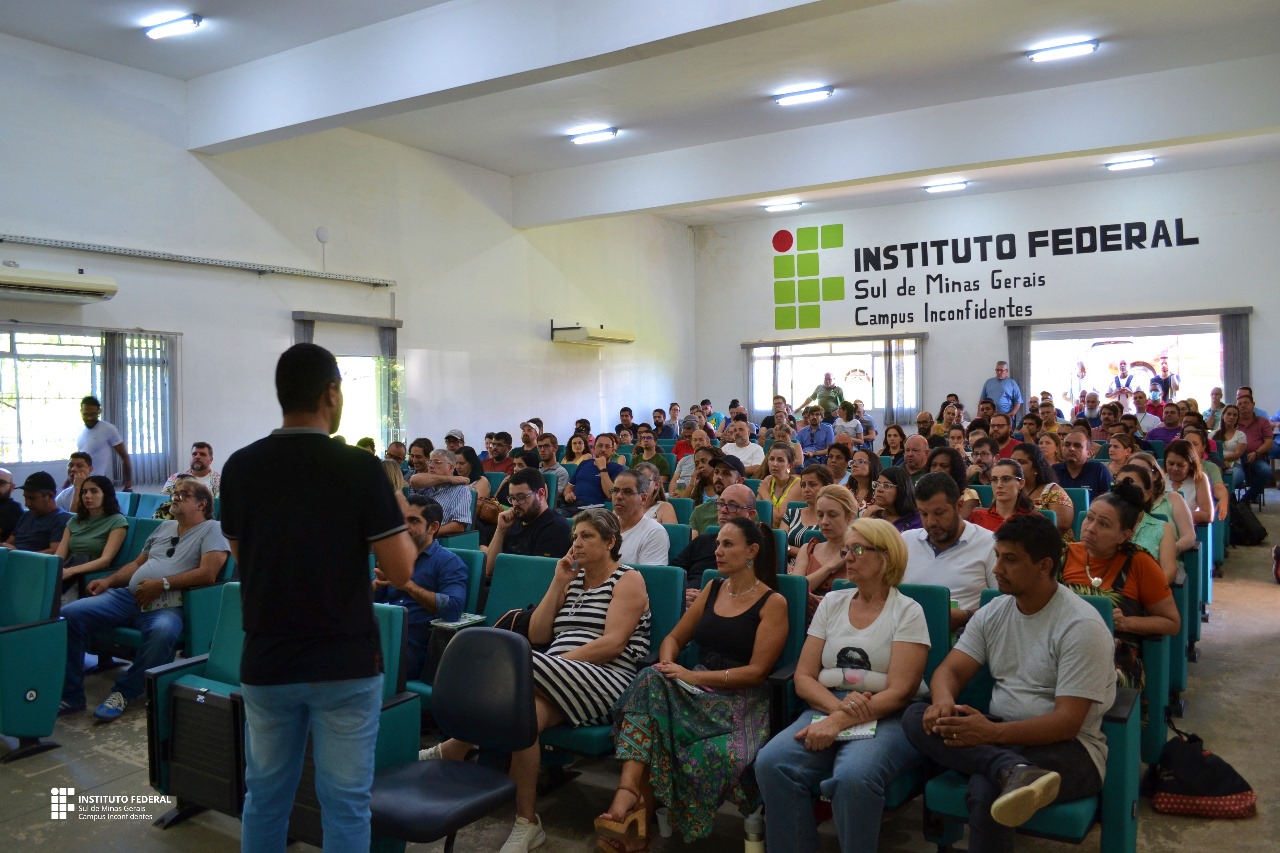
483, 690
140, 530
128, 502
228, 638
666, 443
1080, 499
495, 479
1157, 447
936, 603
1051, 515
626, 449
393, 633
148, 503
665, 585
683, 508
1102, 450
518, 581
553, 487
474, 561
678, 538
469, 540
28, 586
985, 495
886, 461
569, 468
753, 484
671, 461
810, 535
796, 505
764, 509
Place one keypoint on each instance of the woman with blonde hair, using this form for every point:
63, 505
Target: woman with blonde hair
820, 562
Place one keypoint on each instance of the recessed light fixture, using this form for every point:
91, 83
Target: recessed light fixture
782, 208
807, 96
1063, 51
598, 135
174, 27
949, 187
1139, 163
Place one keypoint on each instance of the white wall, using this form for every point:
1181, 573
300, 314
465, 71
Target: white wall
1235, 213
94, 152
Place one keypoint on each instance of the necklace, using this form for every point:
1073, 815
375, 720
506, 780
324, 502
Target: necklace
733, 594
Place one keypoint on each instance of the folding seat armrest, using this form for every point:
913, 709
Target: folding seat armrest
782, 691
1123, 708
783, 675
27, 626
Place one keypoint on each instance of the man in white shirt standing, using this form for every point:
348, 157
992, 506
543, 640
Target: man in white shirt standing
750, 454
99, 439
947, 550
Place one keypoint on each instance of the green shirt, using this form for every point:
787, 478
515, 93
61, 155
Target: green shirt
659, 461
703, 516
828, 398
89, 537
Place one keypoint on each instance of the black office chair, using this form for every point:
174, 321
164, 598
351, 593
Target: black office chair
483, 694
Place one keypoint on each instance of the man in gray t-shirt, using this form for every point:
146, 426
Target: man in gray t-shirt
1052, 659
146, 594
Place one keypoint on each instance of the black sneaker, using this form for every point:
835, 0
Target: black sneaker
1024, 790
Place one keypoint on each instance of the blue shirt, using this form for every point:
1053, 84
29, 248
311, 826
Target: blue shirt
666, 431
454, 499
1094, 476
816, 439
40, 532
441, 571
586, 482
1005, 393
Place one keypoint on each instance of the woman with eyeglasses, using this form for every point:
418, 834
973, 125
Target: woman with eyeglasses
1042, 489
895, 500
1007, 498
864, 471
91, 539
800, 520
687, 737
595, 617
781, 484
895, 440
862, 662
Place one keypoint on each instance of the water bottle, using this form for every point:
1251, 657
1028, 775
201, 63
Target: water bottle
754, 826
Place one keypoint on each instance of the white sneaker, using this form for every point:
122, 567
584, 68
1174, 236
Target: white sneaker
525, 835
431, 753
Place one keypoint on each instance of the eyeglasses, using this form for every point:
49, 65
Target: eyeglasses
173, 545
623, 493
182, 496
1004, 481
731, 506
857, 550
545, 446
922, 423
521, 499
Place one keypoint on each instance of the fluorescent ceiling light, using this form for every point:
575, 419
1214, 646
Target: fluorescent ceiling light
947, 188
782, 208
1140, 163
808, 96
1063, 51
180, 26
595, 136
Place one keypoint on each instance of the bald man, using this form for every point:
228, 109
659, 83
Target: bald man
736, 501
915, 454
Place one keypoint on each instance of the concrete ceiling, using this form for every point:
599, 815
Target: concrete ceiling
498, 83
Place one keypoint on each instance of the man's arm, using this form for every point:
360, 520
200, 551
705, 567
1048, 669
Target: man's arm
211, 563
428, 481
956, 670
395, 555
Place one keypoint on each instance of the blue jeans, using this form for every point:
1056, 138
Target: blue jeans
116, 608
1255, 474
342, 717
984, 766
852, 774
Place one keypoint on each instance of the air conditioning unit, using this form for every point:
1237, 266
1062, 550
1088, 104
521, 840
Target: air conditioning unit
45, 286
592, 336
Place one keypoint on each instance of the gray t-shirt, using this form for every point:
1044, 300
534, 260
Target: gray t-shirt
1064, 649
187, 551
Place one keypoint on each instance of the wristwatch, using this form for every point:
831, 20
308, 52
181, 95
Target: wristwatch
165, 581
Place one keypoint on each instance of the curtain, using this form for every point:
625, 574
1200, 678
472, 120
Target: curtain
1020, 363
901, 374
137, 383
1235, 352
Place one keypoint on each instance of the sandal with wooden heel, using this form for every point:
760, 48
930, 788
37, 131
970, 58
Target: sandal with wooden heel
612, 834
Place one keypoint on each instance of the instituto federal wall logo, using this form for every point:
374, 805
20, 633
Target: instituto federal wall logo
799, 289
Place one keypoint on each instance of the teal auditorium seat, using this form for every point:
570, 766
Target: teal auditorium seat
469, 540
985, 495
474, 561
764, 510
495, 479
678, 536
1116, 807
683, 508
148, 503
1080, 499
753, 484
552, 483
33, 651
128, 502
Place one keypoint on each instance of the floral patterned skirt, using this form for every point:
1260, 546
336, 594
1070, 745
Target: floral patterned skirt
699, 746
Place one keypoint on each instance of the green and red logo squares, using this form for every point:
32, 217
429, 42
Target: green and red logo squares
798, 289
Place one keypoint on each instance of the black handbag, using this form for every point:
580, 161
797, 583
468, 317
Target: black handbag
1191, 780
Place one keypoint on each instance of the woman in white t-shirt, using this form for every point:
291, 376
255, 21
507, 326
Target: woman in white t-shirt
863, 662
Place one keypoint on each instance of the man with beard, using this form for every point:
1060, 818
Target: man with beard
547, 464
985, 448
591, 481
1002, 435
438, 587
201, 469
99, 439
662, 429
528, 528
736, 501
1170, 429
947, 550
1092, 410
499, 460
1077, 470
1109, 416
728, 471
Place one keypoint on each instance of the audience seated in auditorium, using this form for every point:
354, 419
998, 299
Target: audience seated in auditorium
1077, 470
947, 460
894, 441
596, 618
647, 450
947, 550
467, 468
656, 505
1217, 484
1186, 477
815, 435
1151, 533
985, 450
771, 420
591, 481
1051, 446
839, 455
399, 454
452, 491
1147, 419
685, 468
453, 441
577, 451
529, 436
661, 429
925, 423
800, 520
737, 501
864, 473
40, 528
1042, 489
915, 456
201, 469
781, 486
1254, 469
438, 589
847, 423
725, 471
95, 535
1030, 427
1168, 504
528, 528
740, 445
644, 541
894, 500
499, 460
548, 444
626, 420
186, 552
1002, 435
783, 436
1007, 497
821, 562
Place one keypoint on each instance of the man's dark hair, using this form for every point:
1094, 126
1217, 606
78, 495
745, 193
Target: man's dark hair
934, 484
530, 477
490, 435
394, 443
91, 401
995, 415
980, 423
548, 436
363, 442
1034, 418
202, 493
530, 458
504, 437
202, 445
425, 443
741, 418
625, 410
1037, 535
303, 373
80, 454
987, 442
705, 403
987, 400
432, 512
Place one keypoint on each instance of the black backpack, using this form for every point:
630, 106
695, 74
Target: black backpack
1245, 527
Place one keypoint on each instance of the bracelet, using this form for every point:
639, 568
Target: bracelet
725, 686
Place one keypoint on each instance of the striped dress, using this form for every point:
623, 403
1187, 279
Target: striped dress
584, 692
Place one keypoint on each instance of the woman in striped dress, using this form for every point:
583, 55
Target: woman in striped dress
595, 615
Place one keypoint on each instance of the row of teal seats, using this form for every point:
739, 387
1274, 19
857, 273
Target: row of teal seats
145, 504
33, 651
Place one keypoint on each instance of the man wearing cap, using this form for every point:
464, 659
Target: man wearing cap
728, 471
99, 438
10, 509
40, 528
529, 436
453, 440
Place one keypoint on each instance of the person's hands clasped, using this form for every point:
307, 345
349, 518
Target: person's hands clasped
858, 705
148, 591
820, 735
966, 727
671, 669
934, 713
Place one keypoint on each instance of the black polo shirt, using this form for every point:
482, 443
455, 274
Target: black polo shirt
304, 510
548, 535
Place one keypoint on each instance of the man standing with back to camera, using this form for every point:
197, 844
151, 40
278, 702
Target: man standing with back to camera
312, 656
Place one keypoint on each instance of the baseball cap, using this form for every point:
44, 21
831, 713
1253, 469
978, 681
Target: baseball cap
456, 433
732, 462
40, 481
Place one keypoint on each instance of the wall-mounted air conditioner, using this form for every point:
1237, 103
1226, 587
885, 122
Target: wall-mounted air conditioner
45, 286
594, 336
